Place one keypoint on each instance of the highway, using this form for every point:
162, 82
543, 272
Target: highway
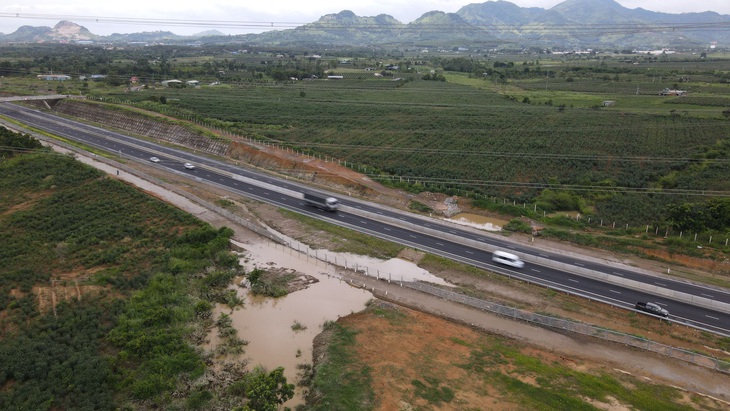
559, 271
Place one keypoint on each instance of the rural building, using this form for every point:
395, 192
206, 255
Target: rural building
53, 77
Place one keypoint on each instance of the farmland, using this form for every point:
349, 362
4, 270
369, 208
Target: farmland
591, 127
495, 138
466, 134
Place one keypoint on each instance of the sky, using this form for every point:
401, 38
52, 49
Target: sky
186, 17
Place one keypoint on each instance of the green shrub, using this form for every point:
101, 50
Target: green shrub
519, 226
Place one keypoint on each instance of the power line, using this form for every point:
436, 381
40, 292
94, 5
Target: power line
543, 28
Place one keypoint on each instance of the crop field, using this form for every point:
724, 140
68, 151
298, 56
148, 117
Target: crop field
454, 135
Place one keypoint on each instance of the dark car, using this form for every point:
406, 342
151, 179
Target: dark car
652, 308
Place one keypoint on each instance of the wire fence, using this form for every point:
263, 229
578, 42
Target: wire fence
649, 231
304, 251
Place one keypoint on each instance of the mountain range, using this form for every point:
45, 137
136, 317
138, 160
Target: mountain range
493, 24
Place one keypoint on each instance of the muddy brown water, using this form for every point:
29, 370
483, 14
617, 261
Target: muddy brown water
266, 323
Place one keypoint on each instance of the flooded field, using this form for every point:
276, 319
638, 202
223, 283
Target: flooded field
280, 331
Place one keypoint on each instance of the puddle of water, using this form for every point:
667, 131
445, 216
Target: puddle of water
266, 323
478, 221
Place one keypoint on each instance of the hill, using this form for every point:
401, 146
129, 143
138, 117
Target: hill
568, 25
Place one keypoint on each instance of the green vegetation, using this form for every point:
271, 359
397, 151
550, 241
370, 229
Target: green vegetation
559, 387
432, 391
270, 284
297, 326
530, 128
151, 273
341, 383
266, 391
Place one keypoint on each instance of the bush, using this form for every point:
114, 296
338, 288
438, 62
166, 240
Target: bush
518, 226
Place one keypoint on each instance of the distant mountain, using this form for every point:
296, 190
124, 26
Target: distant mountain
64, 31
570, 24
209, 33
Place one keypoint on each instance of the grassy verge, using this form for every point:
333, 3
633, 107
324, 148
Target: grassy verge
341, 382
344, 240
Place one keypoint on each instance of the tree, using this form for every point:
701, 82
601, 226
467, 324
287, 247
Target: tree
265, 392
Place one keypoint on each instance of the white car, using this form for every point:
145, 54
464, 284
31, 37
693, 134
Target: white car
154, 159
511, 260
189, 166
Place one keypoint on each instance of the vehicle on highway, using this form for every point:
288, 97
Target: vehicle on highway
154, 159
652, 308
189, 166
325, 203
505, 258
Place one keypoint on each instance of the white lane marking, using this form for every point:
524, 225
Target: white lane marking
386, 228
412, 236
363, 222
535, 270
573, 280
707, 295
441, 244
468, 252
714, 318
543, 255
614, 291
618, 273
578, 264
662, 284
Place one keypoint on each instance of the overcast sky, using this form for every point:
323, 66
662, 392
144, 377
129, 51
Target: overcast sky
236, 16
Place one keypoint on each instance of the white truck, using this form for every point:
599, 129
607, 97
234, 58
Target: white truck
322, 202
